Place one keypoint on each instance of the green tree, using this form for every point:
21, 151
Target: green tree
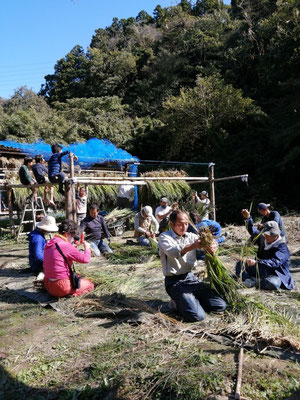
204, 117
69, 77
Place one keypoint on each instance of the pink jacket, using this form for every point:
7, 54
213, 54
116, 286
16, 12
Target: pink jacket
54, 265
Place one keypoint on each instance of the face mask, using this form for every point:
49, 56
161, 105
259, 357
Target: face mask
164, 206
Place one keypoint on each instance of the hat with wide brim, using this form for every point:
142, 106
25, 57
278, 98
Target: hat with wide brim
48, 224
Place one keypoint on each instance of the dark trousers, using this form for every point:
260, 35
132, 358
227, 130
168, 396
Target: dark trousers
59, 178
267, 281
193, 297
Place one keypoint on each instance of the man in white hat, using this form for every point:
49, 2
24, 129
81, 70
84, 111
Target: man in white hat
143, 229
204, 201
37, 243
162, 213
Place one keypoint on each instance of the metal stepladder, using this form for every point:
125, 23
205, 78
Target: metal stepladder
32, 208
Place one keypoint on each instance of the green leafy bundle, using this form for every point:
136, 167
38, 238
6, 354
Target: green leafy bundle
219, 277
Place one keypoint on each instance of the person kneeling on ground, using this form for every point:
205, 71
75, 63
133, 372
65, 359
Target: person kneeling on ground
57, 262
271, 271
177, 249
37, 243
94, 226
143, 226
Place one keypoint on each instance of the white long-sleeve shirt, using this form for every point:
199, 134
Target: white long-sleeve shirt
170, 247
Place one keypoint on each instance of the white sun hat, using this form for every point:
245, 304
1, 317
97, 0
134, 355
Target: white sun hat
48, 224
147, 210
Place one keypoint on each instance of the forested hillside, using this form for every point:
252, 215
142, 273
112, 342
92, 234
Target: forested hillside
200, 81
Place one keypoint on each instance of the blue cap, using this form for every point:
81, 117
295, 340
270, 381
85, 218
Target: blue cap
263, 206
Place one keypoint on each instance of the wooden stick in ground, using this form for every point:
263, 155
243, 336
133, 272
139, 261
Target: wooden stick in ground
237, 394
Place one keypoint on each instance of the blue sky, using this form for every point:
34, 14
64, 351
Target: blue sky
34, 34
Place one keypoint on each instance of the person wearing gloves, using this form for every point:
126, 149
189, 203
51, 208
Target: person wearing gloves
143, 229
95, 229
267, 215
37, 243
271, 270
177, 250
59, 254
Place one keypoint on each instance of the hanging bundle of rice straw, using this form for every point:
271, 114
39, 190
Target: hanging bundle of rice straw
151, 193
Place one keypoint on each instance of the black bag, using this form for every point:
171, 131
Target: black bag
75, 278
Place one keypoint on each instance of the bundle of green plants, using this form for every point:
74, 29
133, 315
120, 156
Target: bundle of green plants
130, 254
175, 191
219, 277
118, 213
103, 194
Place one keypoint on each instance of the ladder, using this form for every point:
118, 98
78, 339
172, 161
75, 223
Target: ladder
30, 207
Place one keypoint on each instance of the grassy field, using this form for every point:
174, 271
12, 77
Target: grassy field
116, 343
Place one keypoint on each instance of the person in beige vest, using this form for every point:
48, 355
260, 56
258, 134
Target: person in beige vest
143, 226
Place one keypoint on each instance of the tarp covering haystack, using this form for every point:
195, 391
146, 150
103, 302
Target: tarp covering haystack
93, 155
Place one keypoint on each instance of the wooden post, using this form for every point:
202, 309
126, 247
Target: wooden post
212, 190
10, 211
70, 193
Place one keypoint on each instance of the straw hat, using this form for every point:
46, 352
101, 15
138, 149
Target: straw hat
47, 224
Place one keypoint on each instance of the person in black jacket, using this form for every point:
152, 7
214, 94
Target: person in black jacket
95, 228
39, 171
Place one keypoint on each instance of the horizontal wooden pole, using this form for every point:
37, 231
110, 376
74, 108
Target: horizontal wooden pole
148, 178
109, 182
128, 180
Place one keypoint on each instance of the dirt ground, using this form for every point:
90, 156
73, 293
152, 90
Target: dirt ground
115, 343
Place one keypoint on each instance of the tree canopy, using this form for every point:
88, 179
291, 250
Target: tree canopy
200, 80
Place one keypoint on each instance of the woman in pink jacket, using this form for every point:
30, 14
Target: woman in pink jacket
57, 272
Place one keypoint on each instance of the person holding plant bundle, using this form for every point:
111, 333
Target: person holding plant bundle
267, 215
177, 249
271, 270
143, 222
59, 255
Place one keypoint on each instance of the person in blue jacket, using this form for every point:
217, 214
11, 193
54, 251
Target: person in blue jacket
200, 223
54, 167
267, 215
37, 243
271, 269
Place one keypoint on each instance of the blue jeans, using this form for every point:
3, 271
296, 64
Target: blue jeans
192, 297
99, 246
143, 241
267, 282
